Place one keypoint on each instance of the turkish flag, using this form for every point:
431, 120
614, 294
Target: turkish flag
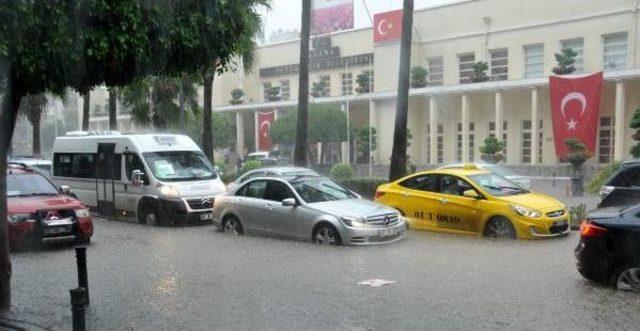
387, 26
575, 109
264, 125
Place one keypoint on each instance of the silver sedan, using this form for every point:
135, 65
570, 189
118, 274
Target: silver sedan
307, 208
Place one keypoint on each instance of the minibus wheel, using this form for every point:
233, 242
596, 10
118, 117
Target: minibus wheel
149, 214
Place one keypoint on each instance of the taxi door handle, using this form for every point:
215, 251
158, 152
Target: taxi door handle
405, 195
444, 201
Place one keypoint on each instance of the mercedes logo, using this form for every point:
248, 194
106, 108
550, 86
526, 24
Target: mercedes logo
387, 221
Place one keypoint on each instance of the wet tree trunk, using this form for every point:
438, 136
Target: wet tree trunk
181, 105
113, 109
302, 127
399, 154
207, 134
36, 150
86, 110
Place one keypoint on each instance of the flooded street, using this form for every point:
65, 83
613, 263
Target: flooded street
145, 278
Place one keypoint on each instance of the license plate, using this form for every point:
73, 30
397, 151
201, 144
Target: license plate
387, 232
560, 223
60, 222
57, 230
207, 216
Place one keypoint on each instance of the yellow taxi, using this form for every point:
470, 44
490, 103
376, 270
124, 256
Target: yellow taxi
474, 201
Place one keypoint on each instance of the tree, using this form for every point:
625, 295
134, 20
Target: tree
362, 141
398, 166
90, 43
33, 107
236, 96
566, 60
113, 109
635, 124
480, 72
321, 88
419, 77
364, 81
492, 151
86, 110
302, 126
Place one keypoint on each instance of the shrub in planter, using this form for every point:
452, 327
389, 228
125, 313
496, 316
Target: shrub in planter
229, 177
236, 96
419, 77
480, 72
492, 150
578, 213
566, 60
342, 171
366, 187
250, 165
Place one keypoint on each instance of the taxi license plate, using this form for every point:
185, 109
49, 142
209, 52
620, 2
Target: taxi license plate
206, 216
560, 223
57, 230
387, 233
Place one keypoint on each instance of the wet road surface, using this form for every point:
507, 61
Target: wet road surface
145, 278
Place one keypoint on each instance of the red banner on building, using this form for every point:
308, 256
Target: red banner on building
264, 125
331, 15
387, 26
575, 109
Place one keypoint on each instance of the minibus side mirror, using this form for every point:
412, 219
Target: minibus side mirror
137, 178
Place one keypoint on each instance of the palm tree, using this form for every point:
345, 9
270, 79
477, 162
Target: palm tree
302, 127
399, 154
86, 110
33, 107
113, 108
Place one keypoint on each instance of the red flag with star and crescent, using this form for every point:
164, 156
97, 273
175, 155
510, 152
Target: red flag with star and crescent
387, 26
575, 110
264, 126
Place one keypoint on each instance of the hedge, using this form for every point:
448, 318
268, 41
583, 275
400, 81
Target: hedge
366, 187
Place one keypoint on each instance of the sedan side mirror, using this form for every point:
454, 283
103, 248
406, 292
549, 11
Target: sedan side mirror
137, 178
64, 189
471, 194
289, 202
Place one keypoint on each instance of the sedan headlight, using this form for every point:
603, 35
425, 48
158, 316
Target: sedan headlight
525, 211
169, 191
353, 222
82, 213
18, 218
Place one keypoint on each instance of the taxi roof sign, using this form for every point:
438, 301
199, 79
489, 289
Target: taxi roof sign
470, 166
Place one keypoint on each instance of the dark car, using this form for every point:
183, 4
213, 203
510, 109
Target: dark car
609, 247
626, 178
39, 211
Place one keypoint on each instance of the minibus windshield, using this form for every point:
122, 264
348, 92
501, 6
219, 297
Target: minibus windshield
179, 166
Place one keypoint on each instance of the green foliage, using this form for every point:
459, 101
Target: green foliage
365, 84
419, 77
409, 137
223, 129
601, 177
321, 88
566, 60
250, 165
635, 124
578, 153
236, 96
578, 214
327, 124
272, 93
342, 171
228, 177
480, 72
366, 187
362, 142
492, 151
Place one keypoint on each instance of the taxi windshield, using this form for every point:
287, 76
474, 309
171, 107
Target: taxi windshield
313, 190
180, 166
497, 185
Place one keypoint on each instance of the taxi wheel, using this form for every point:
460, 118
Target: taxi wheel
232, 225
500, 227
326, 234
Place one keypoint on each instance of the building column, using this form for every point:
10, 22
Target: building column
499, 115
433, 129
373, 123
618, 149
345, 148
239, 134
465, 128
534, 125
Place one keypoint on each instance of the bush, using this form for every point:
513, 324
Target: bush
578, 214
229, 177
598, 180
342, 171
366, 187
250, 165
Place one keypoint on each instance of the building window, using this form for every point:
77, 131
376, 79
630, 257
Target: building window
492, 133
285, 89
436, 70
471, 142
540, 140
428, 143
577, 45
500, 64
326, 79
459, 143
440, 143
265, 90
615, 51
526, 142
605, 140
534, 61
347, 83
465, 67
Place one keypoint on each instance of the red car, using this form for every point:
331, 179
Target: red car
38, 211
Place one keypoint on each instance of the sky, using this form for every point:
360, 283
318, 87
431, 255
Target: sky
285, 14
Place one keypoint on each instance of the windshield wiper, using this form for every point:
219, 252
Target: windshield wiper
514, 188
495, 188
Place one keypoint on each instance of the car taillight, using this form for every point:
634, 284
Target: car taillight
379, 194
588, 229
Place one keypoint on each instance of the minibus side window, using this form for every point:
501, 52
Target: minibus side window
74, 165
133, 162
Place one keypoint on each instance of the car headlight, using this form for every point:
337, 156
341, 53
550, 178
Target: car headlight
525, 211
82, 213
18, 218
353, 222
169, 191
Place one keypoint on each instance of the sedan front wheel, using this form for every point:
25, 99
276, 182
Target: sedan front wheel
327, 235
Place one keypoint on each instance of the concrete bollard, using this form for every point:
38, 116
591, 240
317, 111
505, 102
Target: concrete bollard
83, 281
78, 306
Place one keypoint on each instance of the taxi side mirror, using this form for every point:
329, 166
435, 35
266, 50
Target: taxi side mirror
289, 202
471, 194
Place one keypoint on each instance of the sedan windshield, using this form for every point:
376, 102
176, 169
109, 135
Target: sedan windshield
497, 185
29, 185
321, 189
180, 166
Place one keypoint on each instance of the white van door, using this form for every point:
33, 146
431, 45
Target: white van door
106, 181
133, 193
